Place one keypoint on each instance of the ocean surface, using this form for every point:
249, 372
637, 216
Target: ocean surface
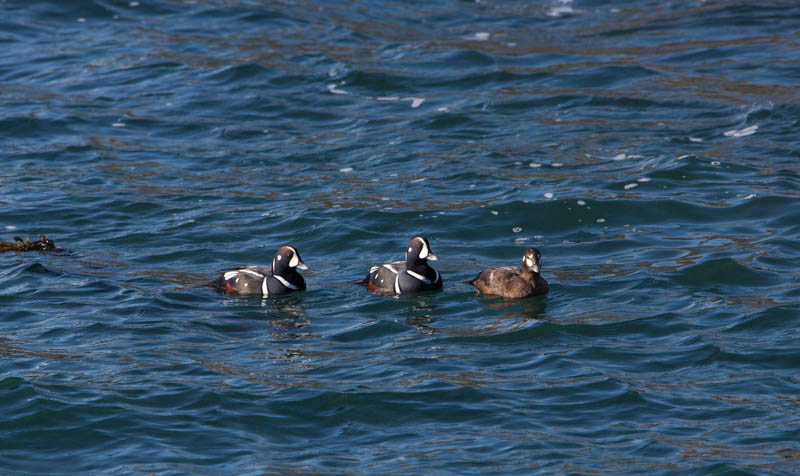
649, 149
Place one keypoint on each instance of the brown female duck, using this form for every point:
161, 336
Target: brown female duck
514, 282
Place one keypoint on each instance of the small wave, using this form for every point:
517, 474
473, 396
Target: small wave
747, 131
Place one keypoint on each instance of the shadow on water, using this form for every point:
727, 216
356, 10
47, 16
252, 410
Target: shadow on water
421, 311
533, 307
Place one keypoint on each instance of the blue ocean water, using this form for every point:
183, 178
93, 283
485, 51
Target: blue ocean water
648, 149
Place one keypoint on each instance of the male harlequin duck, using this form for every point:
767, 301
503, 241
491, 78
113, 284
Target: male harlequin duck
513, 282
281, 278
413, 274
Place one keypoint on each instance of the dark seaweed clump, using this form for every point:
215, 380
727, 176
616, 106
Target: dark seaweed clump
42, 244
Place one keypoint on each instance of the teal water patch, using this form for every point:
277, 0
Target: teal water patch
726, 272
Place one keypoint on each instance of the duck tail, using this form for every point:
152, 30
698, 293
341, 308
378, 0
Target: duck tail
361, 282
472, 281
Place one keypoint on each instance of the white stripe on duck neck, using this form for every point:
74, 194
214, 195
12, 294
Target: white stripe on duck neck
284, 281
418, 276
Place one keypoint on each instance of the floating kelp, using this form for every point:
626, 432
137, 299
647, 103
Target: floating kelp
42, 244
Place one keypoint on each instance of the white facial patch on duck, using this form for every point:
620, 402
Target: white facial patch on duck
294, 261
530, 263
424, 252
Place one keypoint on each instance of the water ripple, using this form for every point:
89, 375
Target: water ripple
648, 150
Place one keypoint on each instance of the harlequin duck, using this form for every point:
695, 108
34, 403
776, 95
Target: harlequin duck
281, 278
412, 275
513, 282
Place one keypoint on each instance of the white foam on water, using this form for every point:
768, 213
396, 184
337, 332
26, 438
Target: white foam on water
11, 227
516, 229
631, 185
748, 197
695, 139
334, 90
747, 131
619, 157
557, 164
387, 98
715, 163
346, 169
482, 36
416, 102
548, 195
418, 180
581, 203
494, 212
535, 165
601, 220
521, 240
559, 11
118, 124
643, 179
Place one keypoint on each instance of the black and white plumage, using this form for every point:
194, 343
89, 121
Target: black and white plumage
281, 278
413, 274
514, 282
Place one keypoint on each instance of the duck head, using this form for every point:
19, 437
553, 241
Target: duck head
532, 260
286, 259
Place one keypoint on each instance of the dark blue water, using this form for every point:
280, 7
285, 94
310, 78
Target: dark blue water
649, 149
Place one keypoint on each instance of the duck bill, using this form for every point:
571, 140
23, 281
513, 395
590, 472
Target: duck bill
302, 266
